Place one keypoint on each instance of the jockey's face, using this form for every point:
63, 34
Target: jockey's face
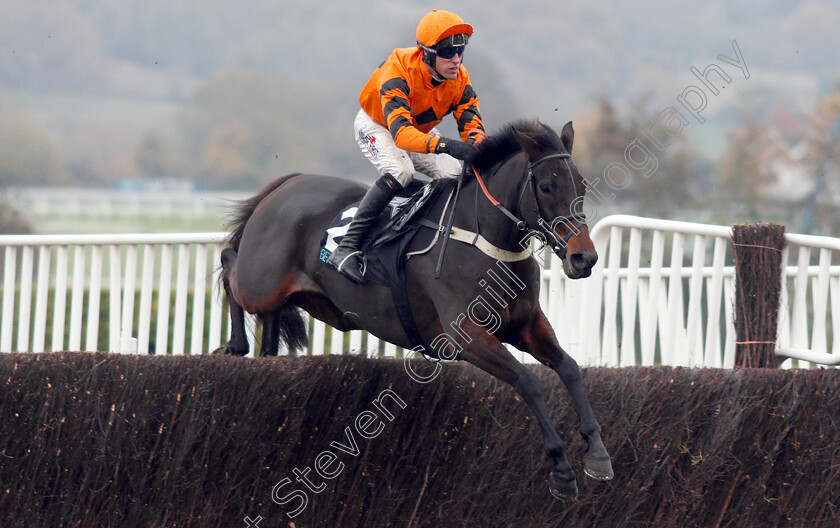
448, 68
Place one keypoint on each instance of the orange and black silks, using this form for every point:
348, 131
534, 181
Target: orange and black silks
402, 96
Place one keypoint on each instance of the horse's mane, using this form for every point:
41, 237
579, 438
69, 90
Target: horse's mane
503, 144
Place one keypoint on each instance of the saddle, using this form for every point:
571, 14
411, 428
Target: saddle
392, 239
398, 220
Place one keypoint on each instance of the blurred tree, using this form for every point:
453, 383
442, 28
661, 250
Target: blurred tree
671, 183
784, 169
744, 172
153, 157
229, 154
27, 157
243, 130
821, 207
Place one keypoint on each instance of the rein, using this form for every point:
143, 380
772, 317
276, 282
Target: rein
557, 245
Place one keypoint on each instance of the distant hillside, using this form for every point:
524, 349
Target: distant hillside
103, 78
547, 53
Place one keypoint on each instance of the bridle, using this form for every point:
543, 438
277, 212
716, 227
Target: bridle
543, 229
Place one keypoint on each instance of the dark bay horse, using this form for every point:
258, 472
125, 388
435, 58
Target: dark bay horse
272, 268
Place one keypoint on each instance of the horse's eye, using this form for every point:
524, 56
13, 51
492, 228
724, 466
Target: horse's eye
546, 188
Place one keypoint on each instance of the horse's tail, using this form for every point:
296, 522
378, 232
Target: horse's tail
243, 210
293, 330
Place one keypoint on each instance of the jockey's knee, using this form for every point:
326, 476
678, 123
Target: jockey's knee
389, 184
404, 177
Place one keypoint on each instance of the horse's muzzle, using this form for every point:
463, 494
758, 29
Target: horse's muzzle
579, 265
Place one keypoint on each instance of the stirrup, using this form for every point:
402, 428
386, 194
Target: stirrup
353, 254
356, 274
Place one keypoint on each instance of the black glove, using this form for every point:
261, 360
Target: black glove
457, 149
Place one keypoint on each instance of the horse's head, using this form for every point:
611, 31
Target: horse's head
559, 190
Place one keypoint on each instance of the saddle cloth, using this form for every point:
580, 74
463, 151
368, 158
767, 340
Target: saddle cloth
393, 236
395, 222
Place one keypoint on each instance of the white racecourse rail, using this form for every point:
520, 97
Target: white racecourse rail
661, 293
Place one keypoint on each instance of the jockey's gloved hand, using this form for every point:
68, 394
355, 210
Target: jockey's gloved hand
475, 139
457, 149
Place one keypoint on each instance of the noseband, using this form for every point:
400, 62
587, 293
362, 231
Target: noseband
573, 222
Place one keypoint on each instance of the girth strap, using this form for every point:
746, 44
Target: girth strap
475, 239
478, 241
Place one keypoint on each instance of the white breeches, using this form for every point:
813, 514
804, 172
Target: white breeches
378, 146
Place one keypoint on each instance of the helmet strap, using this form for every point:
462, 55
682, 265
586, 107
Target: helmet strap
429, 59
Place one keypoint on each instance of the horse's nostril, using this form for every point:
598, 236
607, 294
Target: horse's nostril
582, 261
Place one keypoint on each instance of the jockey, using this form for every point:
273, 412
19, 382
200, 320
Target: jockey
402, 102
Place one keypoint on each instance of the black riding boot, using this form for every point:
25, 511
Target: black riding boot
347, 257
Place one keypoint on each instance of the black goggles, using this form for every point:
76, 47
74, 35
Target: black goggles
450, 51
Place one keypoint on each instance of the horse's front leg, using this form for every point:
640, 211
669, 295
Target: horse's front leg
487, 353
538, 339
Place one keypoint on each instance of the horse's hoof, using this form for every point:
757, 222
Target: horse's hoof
563, 490
598, 468
229, 350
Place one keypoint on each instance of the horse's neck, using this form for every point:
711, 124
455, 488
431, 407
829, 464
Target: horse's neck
504, 182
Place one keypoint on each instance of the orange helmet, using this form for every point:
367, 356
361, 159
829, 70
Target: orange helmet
439, 25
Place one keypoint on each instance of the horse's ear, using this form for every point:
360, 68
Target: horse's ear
531, 148
567, 136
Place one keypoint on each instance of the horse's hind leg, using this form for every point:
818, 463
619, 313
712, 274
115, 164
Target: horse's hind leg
270, 341
539, 340
238, 343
